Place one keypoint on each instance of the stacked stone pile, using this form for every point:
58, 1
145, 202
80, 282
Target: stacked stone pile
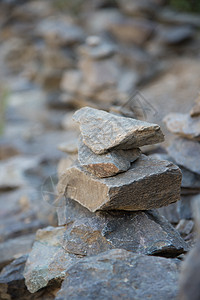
115, 189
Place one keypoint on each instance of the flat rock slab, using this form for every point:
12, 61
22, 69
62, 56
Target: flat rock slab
48, 260
183, 125
103, 131
90, 233
186, 153
148, 184
108, 164
119, 274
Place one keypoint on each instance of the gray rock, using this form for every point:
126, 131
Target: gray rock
195, 111
48, 260
103, 131
135, 8
12, 284
189, 280
12, 248
106, 165
147, 184
186, 153
139, 232
96, 48
177, 35
59, 31
119, 274
183, 125
185, 227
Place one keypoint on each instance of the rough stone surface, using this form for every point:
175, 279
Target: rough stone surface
103, 131
189, 278
147, 184
12, 248
48, 260
119, 274
12, 284
108, 164
183, 125
89, 233
195, 111
186, 153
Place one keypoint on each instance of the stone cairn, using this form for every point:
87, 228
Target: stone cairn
111, 173
110, 193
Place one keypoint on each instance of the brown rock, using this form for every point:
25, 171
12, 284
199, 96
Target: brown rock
183, 125
106, 165
147, 184
103, 131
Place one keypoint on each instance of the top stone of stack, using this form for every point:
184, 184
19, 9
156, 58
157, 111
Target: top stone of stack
102, 131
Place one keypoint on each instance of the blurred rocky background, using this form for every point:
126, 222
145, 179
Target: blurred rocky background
135, 58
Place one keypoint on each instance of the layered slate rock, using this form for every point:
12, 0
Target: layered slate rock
48, 260
148, 184
90, 233
119, 274
103, 131
186, 153
183, 125
108, 164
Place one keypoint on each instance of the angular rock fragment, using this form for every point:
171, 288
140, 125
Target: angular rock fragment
103, 131
183, 125
195, 111
119, 274
47, 260
147, 184
140, 232
106, 165
12, 283
186, 153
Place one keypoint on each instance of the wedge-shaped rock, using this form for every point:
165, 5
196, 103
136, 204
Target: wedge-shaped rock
186, 153
103, 131
119, 274
148, 184
48, 260
183, 125
108, 164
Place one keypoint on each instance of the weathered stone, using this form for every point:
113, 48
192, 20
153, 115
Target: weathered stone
140, 232
70, 147
189, 277
195, 111
47, 260
147, 184
96, 48
183, 125
12, 283
176, 35
185, 227
106, 165
71, 80
119, 274
12, 248
59, 31
186, 153
99, 74
103, 131
66, 163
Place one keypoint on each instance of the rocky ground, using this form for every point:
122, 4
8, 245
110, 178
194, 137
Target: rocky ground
134, 58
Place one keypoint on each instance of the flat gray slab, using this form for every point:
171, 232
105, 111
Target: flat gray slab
149, 183
183, 125
108, 164
104, 131
119, 274
186, 153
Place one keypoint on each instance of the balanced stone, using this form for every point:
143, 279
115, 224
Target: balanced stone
148, 184
186, 153
108, 164
103, 131
183, 125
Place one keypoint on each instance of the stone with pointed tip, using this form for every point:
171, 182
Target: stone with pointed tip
104, 131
